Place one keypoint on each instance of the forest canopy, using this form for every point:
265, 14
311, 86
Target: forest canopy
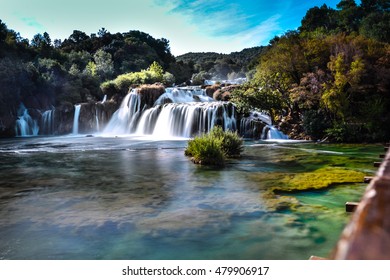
330, 78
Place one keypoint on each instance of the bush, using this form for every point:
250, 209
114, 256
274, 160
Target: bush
349, 133
205, 150
315, 123
230, 142
214, 147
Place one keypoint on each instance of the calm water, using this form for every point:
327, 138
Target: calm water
138, 198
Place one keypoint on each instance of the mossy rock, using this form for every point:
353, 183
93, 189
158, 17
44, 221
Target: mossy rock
319, 179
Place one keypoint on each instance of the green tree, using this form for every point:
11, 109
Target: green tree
260, 95
319, 17
104, 65
90, 69
349, 15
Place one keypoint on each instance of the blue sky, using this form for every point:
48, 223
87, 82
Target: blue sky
190, 26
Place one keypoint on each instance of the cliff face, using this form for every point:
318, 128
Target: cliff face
30, 121
35, 115
95, 116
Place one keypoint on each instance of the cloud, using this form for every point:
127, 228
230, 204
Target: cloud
259, 35
32, 22
224, 26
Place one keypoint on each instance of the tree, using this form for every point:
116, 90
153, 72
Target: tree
349, 15
376, 25
102, 32
260, 95
157, 69
369, 6
319, 17
104, 65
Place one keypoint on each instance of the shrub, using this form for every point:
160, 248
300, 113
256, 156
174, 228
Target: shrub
205, 150
214, 147
231, 142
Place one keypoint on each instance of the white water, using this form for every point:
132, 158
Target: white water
124, 120
179, 112
25, 125
271, 132
76, 119
191, 113
183, 95
186, 119
97, 120
48, 122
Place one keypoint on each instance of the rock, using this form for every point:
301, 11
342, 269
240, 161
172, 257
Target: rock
150, 93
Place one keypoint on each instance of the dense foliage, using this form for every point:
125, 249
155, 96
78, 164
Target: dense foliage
212, 148
218, 66
43, 74
329, 79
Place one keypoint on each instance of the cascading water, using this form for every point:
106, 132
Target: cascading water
47, 122
124, 120
183, 95
76, 119
25, 125
271, 132
258, 125
97, 119
186, 119
179, 112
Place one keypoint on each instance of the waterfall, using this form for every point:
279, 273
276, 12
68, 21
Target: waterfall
125, 119
186, 119
76, 119
25, 125
271, 132
104, 98
254, 125
47, 122
183, 95
180, 112
97, 120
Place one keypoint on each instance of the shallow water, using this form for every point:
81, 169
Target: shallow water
139, 198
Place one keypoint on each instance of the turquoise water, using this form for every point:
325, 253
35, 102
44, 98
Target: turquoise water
139, 198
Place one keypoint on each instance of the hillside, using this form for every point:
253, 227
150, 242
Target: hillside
223, 66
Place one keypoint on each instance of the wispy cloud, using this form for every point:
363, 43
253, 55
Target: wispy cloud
258, 35
223, 18
209, 15
32, 22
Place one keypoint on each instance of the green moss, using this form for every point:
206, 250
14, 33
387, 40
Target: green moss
318, 179
274, 185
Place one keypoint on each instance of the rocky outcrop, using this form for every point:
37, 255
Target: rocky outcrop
94, 116
253, 126
223, 94
150, 93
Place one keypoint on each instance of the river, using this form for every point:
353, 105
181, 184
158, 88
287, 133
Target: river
77, 197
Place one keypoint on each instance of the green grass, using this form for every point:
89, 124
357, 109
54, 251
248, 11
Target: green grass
213, 148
